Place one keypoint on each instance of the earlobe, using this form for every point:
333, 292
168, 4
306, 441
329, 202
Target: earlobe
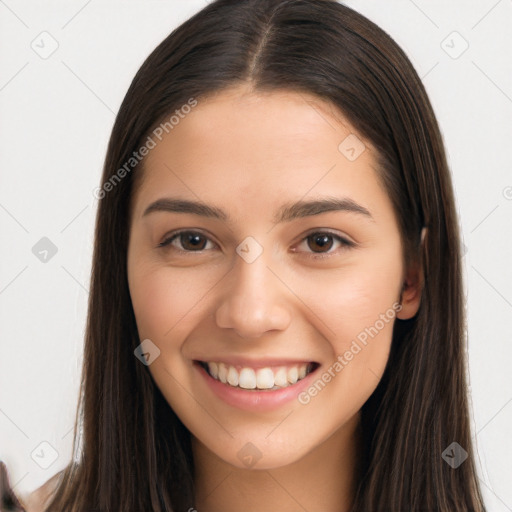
410, 295
410, 298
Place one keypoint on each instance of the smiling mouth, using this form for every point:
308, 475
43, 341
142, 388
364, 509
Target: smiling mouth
260, 379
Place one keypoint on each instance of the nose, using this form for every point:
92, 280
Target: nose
254, 300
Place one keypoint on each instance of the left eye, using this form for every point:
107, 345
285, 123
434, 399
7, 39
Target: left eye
323, 240
319, 242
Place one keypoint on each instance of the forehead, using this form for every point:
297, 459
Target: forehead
258, 120
259, 147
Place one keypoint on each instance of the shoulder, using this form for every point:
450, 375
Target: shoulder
38, 499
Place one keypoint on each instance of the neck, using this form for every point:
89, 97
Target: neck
325, 479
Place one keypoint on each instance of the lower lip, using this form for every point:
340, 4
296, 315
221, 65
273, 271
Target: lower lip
252, 400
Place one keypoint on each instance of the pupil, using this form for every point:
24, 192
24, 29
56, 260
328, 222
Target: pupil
323, 241
193, 239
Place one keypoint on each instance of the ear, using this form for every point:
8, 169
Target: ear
410, 295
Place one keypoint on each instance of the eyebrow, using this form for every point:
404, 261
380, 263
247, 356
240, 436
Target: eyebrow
288, 212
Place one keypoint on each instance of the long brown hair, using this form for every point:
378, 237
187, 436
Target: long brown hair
132, 453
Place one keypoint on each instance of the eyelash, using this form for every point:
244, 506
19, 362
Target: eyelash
346, 244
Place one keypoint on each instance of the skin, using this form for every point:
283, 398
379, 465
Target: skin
249, 153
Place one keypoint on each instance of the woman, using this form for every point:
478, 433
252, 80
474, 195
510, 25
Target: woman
276, 313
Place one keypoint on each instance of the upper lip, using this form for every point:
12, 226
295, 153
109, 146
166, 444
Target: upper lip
255, 363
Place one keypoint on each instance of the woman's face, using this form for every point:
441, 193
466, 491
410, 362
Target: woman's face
267, 282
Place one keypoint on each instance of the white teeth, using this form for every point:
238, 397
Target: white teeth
247, 378
293, 375
214, 369
262, 378
280, 378
232, 376
222, 373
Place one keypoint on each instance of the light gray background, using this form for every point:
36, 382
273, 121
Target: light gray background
56, 114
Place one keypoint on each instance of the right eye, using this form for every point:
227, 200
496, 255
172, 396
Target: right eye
190, 241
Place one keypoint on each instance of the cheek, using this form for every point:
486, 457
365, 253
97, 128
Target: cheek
164, 300
356, 308
353, 297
